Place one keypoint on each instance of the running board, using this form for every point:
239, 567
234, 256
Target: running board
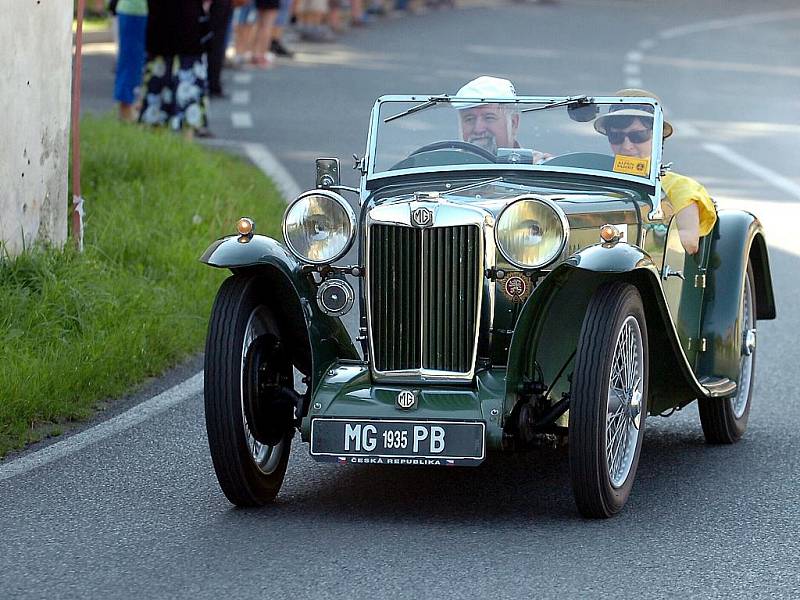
718, 387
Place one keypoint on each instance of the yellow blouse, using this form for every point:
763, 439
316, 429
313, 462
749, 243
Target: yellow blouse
682, 191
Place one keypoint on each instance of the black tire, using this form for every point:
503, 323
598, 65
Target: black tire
614, 307
245, 477
724, 420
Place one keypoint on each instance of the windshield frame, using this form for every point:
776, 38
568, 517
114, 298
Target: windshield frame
652, 181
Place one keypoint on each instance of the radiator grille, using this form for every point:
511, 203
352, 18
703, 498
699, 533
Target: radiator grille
424, 286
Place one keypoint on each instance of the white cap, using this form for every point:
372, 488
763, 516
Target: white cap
485, 87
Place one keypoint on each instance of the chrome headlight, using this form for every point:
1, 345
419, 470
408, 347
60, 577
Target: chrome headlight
319, 227
531, 232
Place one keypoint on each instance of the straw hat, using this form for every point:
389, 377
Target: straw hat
484, 87
631, 110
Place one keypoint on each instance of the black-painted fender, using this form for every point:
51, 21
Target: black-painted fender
315, 339
549, 324
737, 237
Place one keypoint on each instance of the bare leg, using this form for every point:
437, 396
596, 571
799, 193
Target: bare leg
263, 35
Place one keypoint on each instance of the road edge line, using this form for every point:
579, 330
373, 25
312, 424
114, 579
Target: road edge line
138, 414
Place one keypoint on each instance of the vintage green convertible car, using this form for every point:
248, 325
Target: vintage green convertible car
512, 280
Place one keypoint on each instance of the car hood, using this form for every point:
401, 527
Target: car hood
583, 206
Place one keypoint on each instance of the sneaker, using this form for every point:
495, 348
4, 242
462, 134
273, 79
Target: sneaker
262, 61
278, 49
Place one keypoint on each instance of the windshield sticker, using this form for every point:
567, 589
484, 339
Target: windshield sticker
631, 165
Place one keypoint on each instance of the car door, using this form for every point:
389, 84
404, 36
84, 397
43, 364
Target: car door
683, 282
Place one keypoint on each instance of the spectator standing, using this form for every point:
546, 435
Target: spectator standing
281, 22
220, 16
243, 29
176, 74
265, 19
132, 22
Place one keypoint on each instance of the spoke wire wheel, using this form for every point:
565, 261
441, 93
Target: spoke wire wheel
724, 420
608, 400
740, 401
250, 473
625, 391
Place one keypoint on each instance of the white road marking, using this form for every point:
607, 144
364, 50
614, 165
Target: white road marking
240, 97
241, 120
261, 157
636, 56
632, 69
767, 175
741, 21
139, 413
242, 78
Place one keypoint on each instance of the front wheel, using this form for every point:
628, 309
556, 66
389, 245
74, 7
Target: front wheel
608, 400
248, 419
724, 420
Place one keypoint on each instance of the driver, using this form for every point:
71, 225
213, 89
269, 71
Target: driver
629, 129
492, 125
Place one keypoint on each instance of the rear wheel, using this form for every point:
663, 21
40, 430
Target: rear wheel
248, 419
724, 420
608, 400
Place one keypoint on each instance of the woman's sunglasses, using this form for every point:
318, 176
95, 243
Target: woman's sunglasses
637, 136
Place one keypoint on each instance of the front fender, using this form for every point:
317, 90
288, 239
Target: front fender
314, 339
230, 253
549, 325
737, 238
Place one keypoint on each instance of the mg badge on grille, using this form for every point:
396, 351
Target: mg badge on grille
422, 217
406, 399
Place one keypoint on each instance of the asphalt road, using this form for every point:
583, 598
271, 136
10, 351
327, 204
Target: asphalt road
139, 513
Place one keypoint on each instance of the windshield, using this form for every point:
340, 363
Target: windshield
612, 135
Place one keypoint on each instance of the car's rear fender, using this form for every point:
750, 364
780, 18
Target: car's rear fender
549, 325
291, 295
737, 238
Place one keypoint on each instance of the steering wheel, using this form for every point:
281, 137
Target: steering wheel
456, 145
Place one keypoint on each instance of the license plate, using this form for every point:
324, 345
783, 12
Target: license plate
398, 442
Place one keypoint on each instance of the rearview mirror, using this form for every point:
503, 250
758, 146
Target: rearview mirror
582, 112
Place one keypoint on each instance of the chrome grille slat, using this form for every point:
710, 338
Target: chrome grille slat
424, 286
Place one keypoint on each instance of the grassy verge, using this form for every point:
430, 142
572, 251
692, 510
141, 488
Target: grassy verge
78, 328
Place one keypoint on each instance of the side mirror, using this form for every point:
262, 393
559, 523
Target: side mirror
327, 172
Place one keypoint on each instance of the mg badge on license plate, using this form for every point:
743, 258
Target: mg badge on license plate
406, 399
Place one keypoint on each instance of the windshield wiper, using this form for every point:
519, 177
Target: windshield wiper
415, 109
565, 102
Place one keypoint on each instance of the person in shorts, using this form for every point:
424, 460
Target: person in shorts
266, 12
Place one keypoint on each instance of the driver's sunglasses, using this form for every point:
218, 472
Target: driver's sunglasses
637, 136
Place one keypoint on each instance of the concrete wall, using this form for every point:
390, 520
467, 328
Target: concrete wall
35, 82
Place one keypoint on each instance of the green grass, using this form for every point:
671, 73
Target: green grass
79, 328
93, 23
